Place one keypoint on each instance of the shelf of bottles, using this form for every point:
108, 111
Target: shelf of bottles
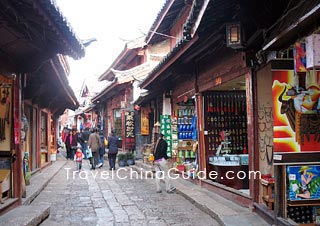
226, 111
185, 115
184, 123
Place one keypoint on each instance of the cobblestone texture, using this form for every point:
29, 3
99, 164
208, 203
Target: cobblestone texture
106, 201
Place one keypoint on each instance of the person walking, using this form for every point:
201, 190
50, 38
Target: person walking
161, 165
67, 143
78, 157
94, 143
71, 143
102, 150
113, 150
83, 138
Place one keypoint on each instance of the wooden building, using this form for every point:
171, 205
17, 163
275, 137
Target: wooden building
220, 74
34, 86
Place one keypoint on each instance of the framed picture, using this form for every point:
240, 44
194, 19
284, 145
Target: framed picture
303, 182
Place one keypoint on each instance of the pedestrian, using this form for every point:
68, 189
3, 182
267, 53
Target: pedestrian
102, 150
68, 140
113, 149
78, 157
161, 164
83, 138
94, 143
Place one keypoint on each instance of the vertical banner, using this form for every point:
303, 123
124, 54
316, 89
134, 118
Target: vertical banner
300, 59
165, 129
129, 130
144, 121
296, 111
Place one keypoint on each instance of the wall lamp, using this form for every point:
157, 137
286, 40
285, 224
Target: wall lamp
234, 35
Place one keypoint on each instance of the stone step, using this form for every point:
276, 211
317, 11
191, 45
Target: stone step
25, 216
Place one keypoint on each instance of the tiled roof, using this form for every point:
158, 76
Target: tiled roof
76, 46
187, 29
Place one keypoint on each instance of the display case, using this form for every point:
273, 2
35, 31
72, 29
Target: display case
227, 167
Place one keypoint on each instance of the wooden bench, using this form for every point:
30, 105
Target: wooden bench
4, 182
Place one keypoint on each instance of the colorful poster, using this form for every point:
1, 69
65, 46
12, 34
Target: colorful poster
296, 111
300, 60
303, 182
144, 121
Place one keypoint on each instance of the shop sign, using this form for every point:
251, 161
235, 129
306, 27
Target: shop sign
296, 112
129, 130
144, 121
166, 130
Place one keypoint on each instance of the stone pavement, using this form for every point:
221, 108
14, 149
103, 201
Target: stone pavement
226, 212
24, 215
106, 201
95, 198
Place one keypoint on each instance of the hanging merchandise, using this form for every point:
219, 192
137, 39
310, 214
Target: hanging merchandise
226, 113
4, 103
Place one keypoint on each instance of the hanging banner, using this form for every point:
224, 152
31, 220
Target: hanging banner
296, 111
166, 130
129, 130
144, 121
300, 59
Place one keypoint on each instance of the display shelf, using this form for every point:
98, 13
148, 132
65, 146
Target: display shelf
225, 111
304, 203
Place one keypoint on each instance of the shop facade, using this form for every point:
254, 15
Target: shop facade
33, 79
288, 127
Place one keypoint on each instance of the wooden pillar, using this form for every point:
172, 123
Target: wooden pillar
17, 155
252, 135
279, 186
201, 146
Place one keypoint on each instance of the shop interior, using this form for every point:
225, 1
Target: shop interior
225, 131
183, 137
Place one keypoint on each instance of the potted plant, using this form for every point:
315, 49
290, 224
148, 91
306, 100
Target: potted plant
130, 159
122, 160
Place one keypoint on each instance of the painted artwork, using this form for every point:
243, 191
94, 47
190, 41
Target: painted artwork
296, 111
300, 59
303, 182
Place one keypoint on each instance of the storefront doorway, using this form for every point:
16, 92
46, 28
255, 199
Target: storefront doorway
225, 134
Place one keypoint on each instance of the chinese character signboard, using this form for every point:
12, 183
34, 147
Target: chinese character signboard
129, 130
304, 182
165, 129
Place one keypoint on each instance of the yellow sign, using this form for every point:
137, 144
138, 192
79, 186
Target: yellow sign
144, 121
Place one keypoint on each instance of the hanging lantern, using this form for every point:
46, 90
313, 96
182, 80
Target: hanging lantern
233, 33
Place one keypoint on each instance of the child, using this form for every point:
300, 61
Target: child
78, 158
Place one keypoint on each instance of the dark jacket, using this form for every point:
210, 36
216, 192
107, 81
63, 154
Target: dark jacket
102, 149
161, 150
84, 136
113, 144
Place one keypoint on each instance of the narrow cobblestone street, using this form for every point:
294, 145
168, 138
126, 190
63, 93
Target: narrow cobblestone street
107, 201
